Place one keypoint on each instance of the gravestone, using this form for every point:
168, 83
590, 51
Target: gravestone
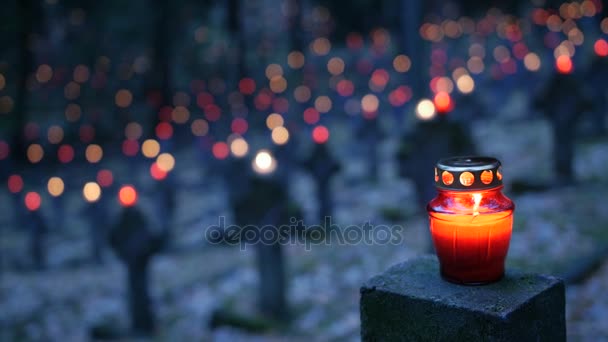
563, 102
263, 207
411, 302
135, 244
596, 85
322, 166
371, 135
37, 242
96, 213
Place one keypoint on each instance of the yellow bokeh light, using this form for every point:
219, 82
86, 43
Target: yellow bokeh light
302, 93
94, 153
150, 148
123, 98
273, 70
133, 131
335, 66
239, 147
295, 59
91, 192
35, 153
274, 120
280, 135
165, 162
465, 84
55, 134
320, 46
402, 63
44, 73
425, 109
55, 186
264, 162
323, 104
532, 61
180, 114
200, 127
369, 103
278, 84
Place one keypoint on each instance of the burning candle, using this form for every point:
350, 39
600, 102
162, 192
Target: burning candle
470, 220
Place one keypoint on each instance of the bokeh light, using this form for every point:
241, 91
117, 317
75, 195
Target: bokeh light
601, 48
91, 192
33, 201
199, 127
239, 147
320, 134
15, 184
443, 102
402, 63
55, 186
280, 135
55, 134
127, 196
532, 61
465, 84
150, 148
157, 173
563, 64
105, 178
94, 153
274, 120
166, 162
264, 162
220, 150
35, 153
425, 109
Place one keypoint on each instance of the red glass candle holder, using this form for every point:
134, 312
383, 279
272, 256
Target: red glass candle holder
470, 220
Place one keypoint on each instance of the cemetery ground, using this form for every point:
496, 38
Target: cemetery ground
556, 231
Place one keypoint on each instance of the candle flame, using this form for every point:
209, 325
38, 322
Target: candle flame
476, 200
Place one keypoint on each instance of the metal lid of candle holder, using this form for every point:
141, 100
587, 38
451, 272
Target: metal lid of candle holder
468, 173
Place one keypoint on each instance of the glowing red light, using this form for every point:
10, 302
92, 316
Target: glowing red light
4, 150
157, 173
354, 41
32, 201
204, 99
15, 184
164, 131
443, 102
247, 86
563, 64
105, 178
380, 77
320, 134
220, 150
127, 196
311, 116
345, 88
130, 147
87, 133
263, 100
400, 96
65, 153
165, 113
601, 48
239, 125
212, 112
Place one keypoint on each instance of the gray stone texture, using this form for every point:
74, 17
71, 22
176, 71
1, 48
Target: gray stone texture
411, 302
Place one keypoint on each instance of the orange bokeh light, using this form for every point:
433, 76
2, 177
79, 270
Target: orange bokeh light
563, 64
127, 196
443, 102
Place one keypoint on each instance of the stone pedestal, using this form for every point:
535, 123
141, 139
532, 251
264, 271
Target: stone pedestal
411, 302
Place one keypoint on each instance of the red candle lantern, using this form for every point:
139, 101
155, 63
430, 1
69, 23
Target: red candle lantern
470, 220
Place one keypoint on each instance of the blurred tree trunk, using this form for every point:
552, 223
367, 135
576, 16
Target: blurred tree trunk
30, 20
414, 46
158, 82
235, 28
